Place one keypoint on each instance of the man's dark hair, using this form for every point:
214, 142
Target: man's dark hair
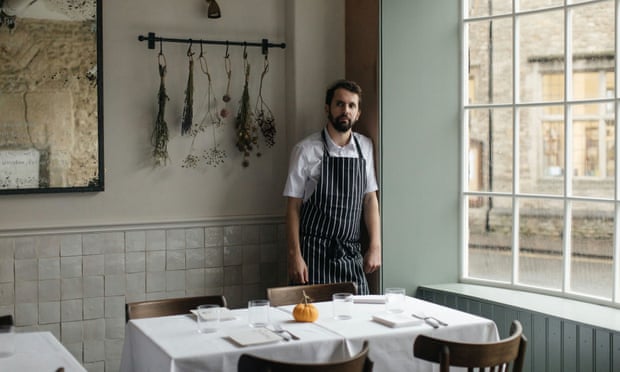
349, 85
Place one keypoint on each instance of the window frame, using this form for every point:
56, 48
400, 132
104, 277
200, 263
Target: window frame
567, 197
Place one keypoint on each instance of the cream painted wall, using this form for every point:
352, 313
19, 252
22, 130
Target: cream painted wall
135, 192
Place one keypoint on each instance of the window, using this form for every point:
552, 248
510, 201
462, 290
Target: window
540, 191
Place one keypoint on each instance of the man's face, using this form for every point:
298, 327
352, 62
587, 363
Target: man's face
344, 110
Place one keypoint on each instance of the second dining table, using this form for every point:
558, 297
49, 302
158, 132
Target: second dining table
173, 343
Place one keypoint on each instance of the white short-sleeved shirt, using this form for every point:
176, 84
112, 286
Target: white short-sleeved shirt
305, 163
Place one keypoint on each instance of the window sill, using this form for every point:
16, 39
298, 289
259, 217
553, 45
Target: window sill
573, 310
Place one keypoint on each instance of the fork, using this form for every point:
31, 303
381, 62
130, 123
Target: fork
426, 318
278, 329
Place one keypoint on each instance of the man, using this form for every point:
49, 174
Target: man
331, 187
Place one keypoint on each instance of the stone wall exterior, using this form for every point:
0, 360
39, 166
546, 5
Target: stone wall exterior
47, 101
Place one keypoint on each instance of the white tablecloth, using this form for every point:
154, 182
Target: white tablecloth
41, 352
391, 349
173, 343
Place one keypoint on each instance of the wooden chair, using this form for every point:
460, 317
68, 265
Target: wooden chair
169, 306
496, 356
289, 295
358, 363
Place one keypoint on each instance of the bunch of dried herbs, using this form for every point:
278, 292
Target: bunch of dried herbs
160, 136
263, 114
246, 130
188, 107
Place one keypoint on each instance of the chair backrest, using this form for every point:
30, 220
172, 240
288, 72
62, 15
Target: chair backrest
359, 363
501, 354
169, 306
289, 295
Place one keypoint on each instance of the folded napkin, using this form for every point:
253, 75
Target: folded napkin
396, 320
225, 313
369, 299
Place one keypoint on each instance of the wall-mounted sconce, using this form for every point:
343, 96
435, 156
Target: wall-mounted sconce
213, 11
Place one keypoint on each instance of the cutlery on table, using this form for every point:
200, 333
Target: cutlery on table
282, 334
278, 329
430, 320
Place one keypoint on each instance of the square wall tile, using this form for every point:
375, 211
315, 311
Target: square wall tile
156, 240
214, 236
26, 269
214, 277
251, 254
93, 308
214, 257
49, 290
49, 312
114, 285
233, 255
114, 307
7, 248
71, 332
48, 246
175, 280
94, 329
175, 239
233, 235
135, 262
103, 243
71, 245
195, 238
194, 258
49, 268
135, 241
135, 283
71, 267
94, 350
156, 281
175, 260
93, 286
93, 265
71, 288
27, 291
71, 310
114, 263
155, 261
25, 248
7, 293
26, 314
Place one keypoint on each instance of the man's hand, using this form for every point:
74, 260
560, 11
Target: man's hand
297, 270
372, 260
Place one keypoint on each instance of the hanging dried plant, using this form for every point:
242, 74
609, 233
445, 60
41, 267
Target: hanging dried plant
262, 113
188, 109
159, 137
246, 130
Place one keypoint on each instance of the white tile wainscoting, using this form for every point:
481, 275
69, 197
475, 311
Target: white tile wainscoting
75, 283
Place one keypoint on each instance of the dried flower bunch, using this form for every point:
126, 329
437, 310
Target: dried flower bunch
160, 135
247, 136
262, 113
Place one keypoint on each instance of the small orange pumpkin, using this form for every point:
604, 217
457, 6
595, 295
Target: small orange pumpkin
305, 312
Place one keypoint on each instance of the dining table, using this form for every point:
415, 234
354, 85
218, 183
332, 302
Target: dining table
173, 343
41, 352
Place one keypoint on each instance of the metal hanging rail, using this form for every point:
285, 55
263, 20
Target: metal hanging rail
264, 44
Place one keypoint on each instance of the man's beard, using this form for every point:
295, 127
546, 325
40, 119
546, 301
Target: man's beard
341, 126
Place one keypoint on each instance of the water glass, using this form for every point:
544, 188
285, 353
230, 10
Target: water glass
7, 341
343, 305
208, 317
258, 313
395, 300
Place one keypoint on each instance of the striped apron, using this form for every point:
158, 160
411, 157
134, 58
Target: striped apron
330, 222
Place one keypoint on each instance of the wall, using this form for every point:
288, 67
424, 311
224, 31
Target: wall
69, 262
420, 141
136, 192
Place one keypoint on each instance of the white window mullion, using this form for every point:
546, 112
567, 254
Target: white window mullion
616, 240
464, 206
515, 146
568, 149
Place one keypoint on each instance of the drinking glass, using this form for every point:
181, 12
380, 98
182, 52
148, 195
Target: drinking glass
208, 318
343, 305
395, 300
258, 313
